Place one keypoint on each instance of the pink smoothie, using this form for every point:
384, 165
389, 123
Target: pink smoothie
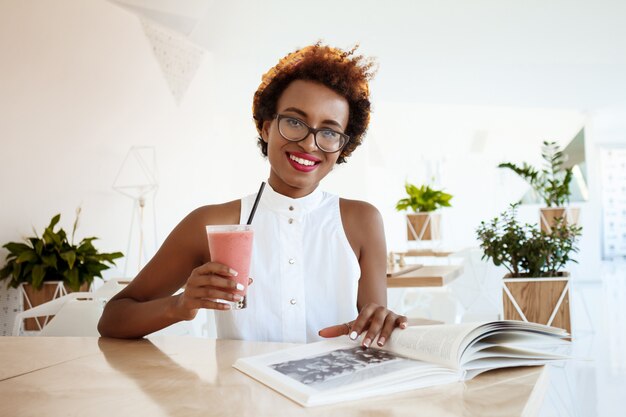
234, 249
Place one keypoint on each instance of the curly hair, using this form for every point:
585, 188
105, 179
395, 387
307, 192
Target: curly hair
342, 71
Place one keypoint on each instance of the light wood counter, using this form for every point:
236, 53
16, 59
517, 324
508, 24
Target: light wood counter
184, 376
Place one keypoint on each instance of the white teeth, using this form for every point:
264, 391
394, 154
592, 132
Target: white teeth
302, 161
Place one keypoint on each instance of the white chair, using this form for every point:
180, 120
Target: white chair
479, 289
75, 314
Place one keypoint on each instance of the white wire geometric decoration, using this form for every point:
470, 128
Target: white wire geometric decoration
138, 179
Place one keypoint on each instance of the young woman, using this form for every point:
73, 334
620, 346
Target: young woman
319, 263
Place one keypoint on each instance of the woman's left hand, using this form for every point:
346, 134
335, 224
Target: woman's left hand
377, 320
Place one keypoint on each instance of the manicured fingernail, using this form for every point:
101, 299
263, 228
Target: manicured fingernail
403, 325
354, 335
224, 306
232, 272
240, 287
381, 341
238, 297
367, 342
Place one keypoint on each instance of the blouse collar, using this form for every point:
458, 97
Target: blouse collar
294, 206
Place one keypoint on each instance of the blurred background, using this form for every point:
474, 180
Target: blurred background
460, 88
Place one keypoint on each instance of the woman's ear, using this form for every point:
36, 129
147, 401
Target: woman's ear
265, 130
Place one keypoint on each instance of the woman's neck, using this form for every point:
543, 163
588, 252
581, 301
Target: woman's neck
288, 190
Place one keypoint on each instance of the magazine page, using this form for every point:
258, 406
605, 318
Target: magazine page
515, 339
436, 343
340, 370
448, 344
513, 334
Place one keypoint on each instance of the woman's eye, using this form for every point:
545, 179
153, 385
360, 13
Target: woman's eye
294, 123
330, 134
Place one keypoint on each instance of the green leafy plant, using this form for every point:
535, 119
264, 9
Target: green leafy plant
423, 199
524, 250
552, 182
52, 257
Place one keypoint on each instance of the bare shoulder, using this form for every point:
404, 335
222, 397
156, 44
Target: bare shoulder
358, 211
191, 228
362, 223
225, 213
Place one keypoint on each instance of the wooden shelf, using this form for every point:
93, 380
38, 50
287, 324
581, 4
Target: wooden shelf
401, 270
426, 276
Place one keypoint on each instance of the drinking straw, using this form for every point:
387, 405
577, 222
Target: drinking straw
256, 203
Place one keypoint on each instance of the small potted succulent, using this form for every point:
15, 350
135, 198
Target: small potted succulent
552, 185
536, 288
50, 265
423, 223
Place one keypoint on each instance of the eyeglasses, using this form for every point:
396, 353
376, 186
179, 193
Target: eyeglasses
295, 130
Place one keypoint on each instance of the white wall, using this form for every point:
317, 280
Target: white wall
79, 85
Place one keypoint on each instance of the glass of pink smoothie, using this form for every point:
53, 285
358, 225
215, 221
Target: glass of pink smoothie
231, 245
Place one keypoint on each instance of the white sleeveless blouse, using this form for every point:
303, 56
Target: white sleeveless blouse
305, 272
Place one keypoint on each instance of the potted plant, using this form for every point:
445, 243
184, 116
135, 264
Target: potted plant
551, 184
49, 266
536, 288
423, 223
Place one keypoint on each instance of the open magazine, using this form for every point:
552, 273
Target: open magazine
419, 356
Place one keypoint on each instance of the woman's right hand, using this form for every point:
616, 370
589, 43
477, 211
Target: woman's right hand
205, 285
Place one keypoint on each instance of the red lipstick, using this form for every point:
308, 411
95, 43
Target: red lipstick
303, 156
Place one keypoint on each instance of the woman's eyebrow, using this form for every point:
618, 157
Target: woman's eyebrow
305, 115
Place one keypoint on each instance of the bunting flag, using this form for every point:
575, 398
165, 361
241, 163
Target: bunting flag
168, 25
178, 57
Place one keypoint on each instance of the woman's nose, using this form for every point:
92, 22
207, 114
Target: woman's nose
308, 144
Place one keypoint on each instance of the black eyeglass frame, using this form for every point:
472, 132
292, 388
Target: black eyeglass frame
279, 117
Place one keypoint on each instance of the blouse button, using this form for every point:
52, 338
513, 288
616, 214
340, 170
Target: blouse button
293, 301
290, 221
292, 261
290, 208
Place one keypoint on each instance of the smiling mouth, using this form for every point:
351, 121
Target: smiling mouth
302, 161
302, 164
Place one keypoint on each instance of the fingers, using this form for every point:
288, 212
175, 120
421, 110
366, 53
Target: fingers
213, 305
206, 285
391, 322
213, 281
186, 307
376, 321
335, 331
212, 294
376, 324
215, 268
362, 321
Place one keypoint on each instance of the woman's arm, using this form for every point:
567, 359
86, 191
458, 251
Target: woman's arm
364, 228
147, 304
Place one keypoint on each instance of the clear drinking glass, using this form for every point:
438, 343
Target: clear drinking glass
231, 245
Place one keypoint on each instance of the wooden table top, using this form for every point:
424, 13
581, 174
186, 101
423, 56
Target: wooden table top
185, 376
426, 276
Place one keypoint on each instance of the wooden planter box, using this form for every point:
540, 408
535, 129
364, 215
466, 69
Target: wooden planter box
538, 300
49, 291
548, 216
423, 226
